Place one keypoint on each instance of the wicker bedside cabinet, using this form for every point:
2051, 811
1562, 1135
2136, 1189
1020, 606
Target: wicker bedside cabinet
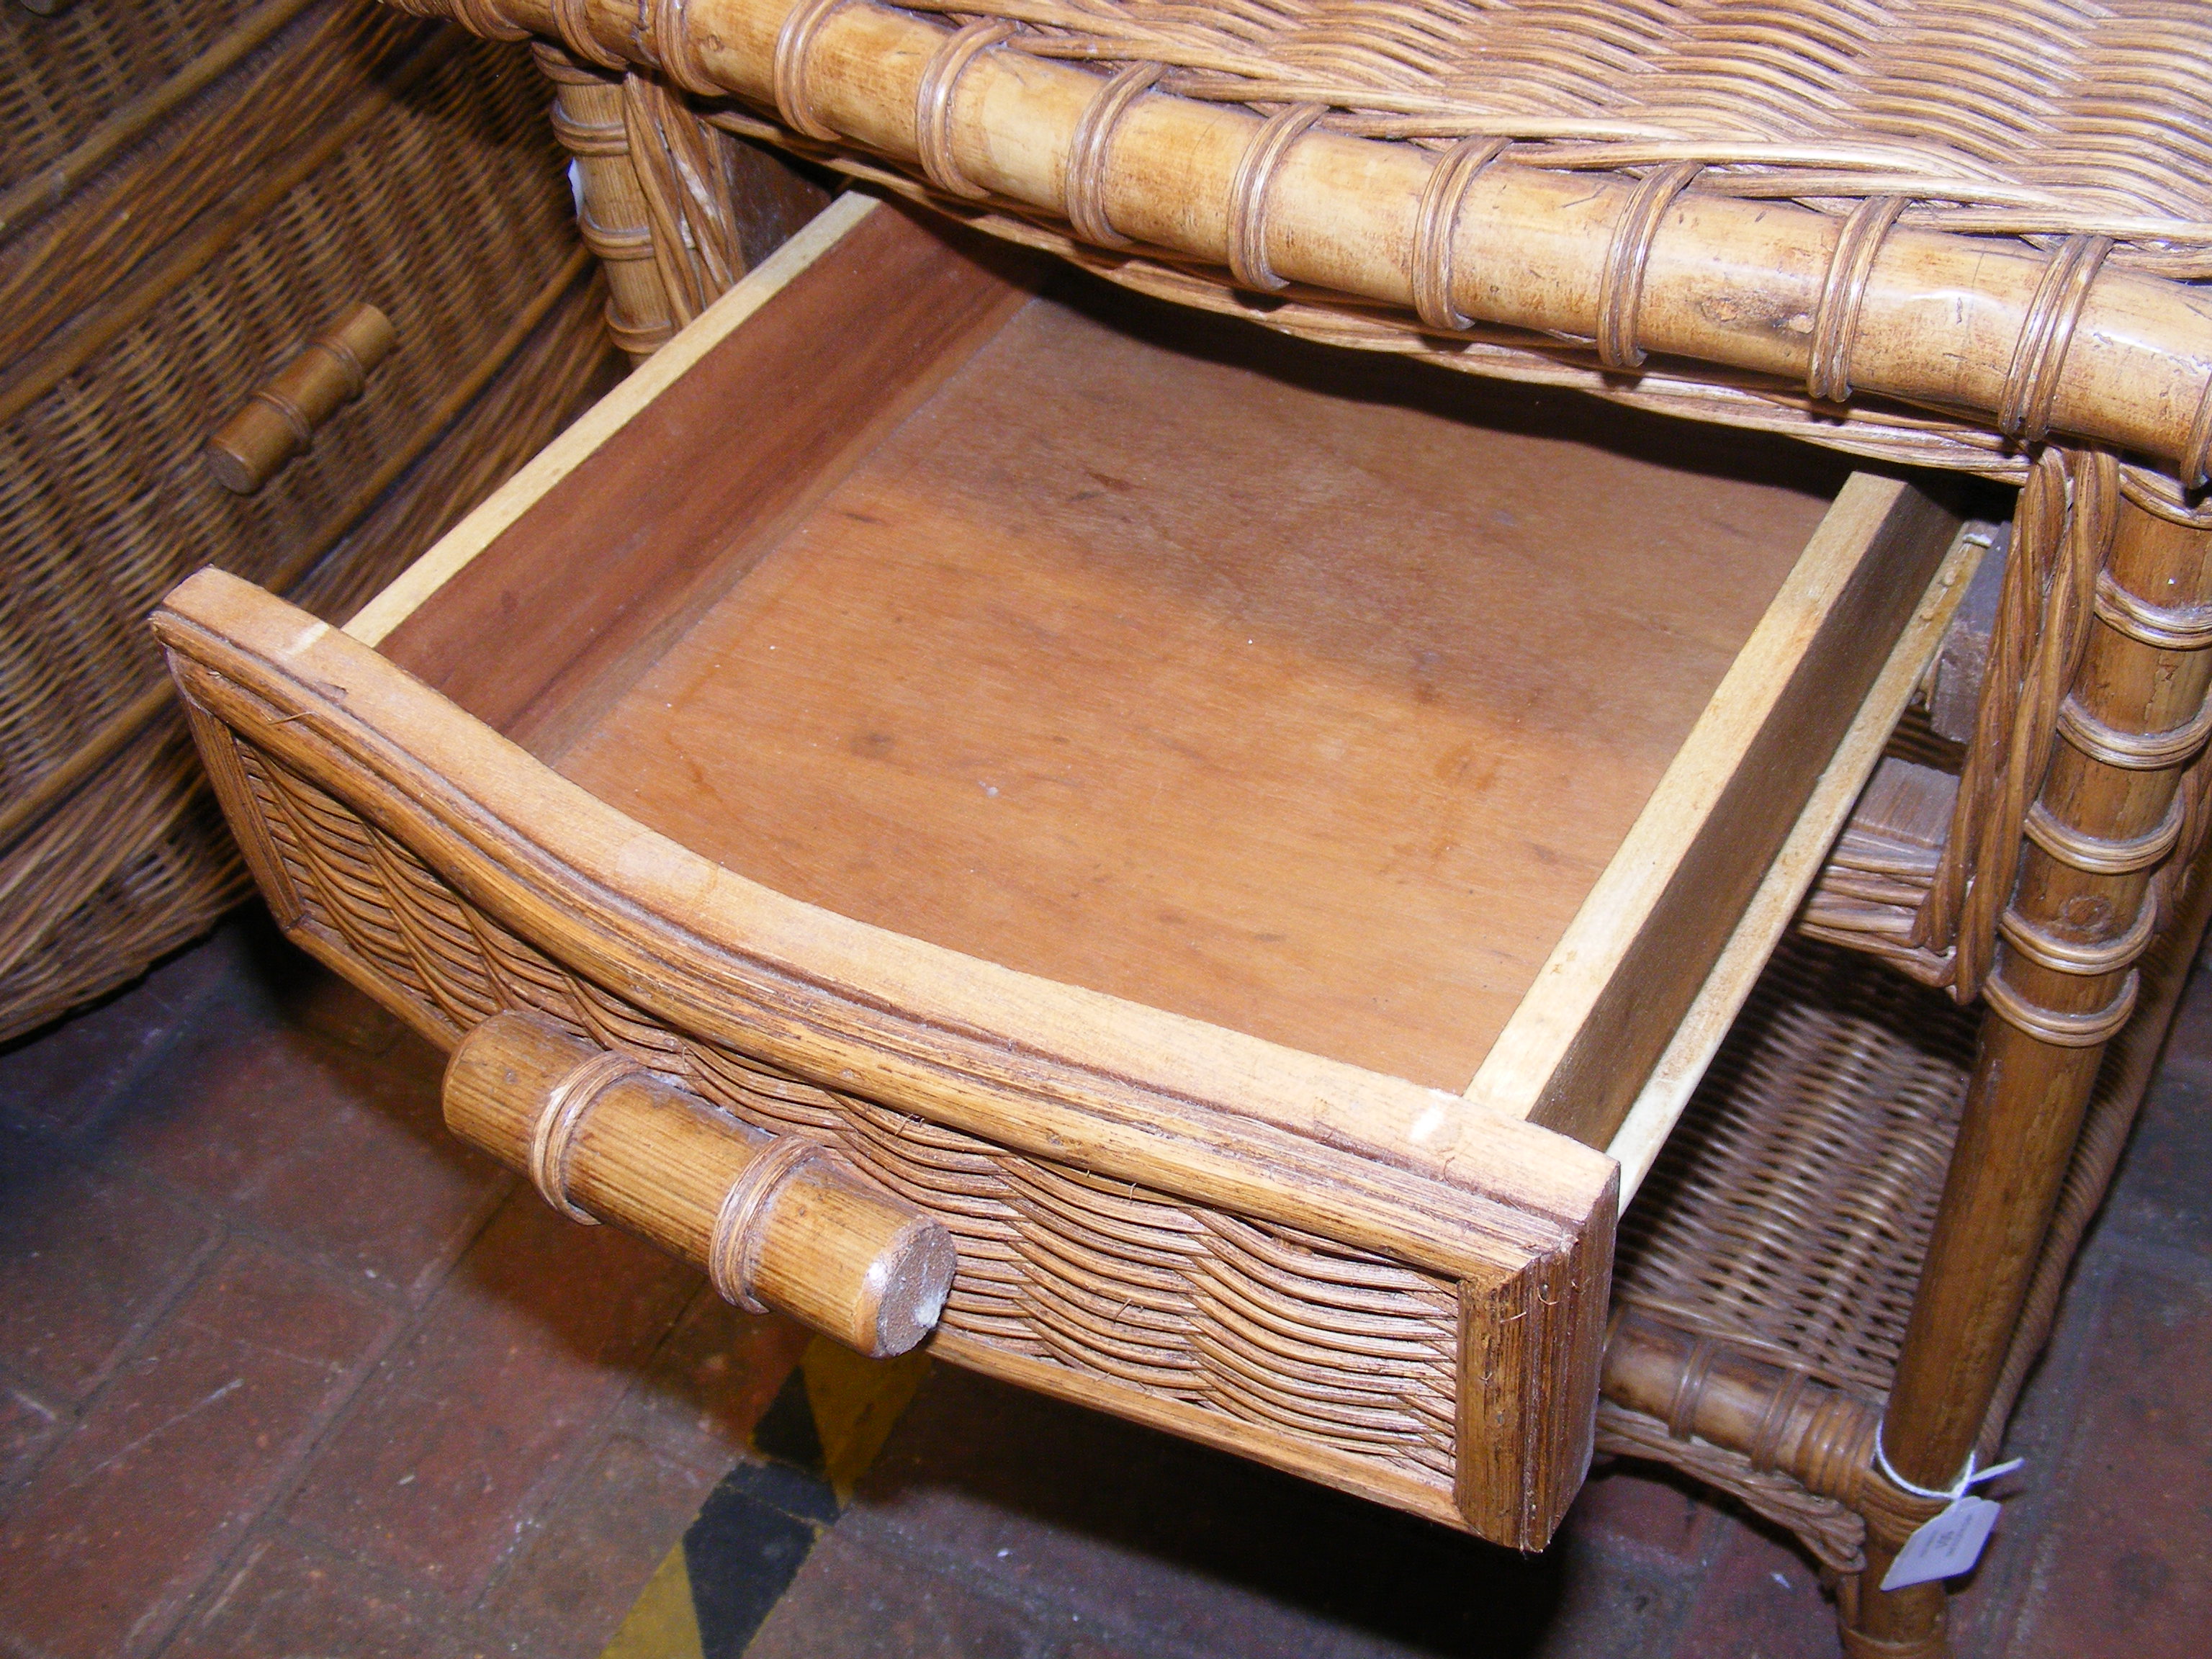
1174, 775
1948, 235
183, 209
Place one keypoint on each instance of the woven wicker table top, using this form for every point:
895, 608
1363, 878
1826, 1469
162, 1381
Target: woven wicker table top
2038, 118
1936, 231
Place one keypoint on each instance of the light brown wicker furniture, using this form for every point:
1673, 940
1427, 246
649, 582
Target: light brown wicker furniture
1956, 235
1055, 641
188, 195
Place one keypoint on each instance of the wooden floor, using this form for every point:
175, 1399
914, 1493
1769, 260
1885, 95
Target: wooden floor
1144, 658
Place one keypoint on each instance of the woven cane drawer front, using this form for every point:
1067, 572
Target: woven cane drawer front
1258, 1322
1254, 1290
888, 720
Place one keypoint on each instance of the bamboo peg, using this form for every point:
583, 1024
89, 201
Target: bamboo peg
775, 1220
279, 419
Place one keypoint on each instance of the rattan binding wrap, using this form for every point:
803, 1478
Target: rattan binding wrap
344, 153
2049, 135
675, 209
1930, 905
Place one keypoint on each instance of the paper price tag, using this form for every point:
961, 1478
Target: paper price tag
1948, 1545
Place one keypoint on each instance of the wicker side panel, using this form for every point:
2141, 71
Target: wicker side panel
61, 75
132, 866
406, 165
447, 209
1138, 1290
109, 219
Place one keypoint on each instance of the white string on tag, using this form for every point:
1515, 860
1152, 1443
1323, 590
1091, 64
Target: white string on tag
1968, 1477
1949, 1543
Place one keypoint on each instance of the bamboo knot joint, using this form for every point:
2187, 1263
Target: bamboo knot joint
1084, 190
777, 1220
1250, 188
556, 1130
734, 1255
934, 98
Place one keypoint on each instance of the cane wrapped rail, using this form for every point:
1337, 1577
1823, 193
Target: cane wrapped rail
1774, 194
775, 1221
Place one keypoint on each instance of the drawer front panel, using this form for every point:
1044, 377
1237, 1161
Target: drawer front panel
1260, 1322
1160, 1249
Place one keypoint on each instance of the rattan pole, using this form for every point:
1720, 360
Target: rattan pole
1818, 1436
2112, 1114
1963, 322
2063, 986
587, 118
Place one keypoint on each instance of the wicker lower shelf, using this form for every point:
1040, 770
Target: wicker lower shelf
1766, 1269
1782, 1230
1790, 1212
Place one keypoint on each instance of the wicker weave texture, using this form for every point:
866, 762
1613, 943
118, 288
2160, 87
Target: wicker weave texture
2030, 116
175, 176
62, 75
1252, 1319
138, 861
1789, 1217
1789, 1212
103, 503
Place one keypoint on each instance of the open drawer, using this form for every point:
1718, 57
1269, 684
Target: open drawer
1227, 828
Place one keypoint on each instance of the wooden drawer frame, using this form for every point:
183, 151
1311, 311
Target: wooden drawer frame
1390, 1288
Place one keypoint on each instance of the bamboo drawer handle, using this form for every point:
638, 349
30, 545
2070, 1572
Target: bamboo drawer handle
776, 1221
279, 419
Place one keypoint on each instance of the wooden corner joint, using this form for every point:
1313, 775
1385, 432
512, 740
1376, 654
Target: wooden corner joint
1531, 1345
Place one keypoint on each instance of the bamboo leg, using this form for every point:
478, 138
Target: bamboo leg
2063, 983
587, 117
675, 209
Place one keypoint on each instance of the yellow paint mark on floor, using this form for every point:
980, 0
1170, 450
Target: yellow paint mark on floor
856, 1403
661, 1624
